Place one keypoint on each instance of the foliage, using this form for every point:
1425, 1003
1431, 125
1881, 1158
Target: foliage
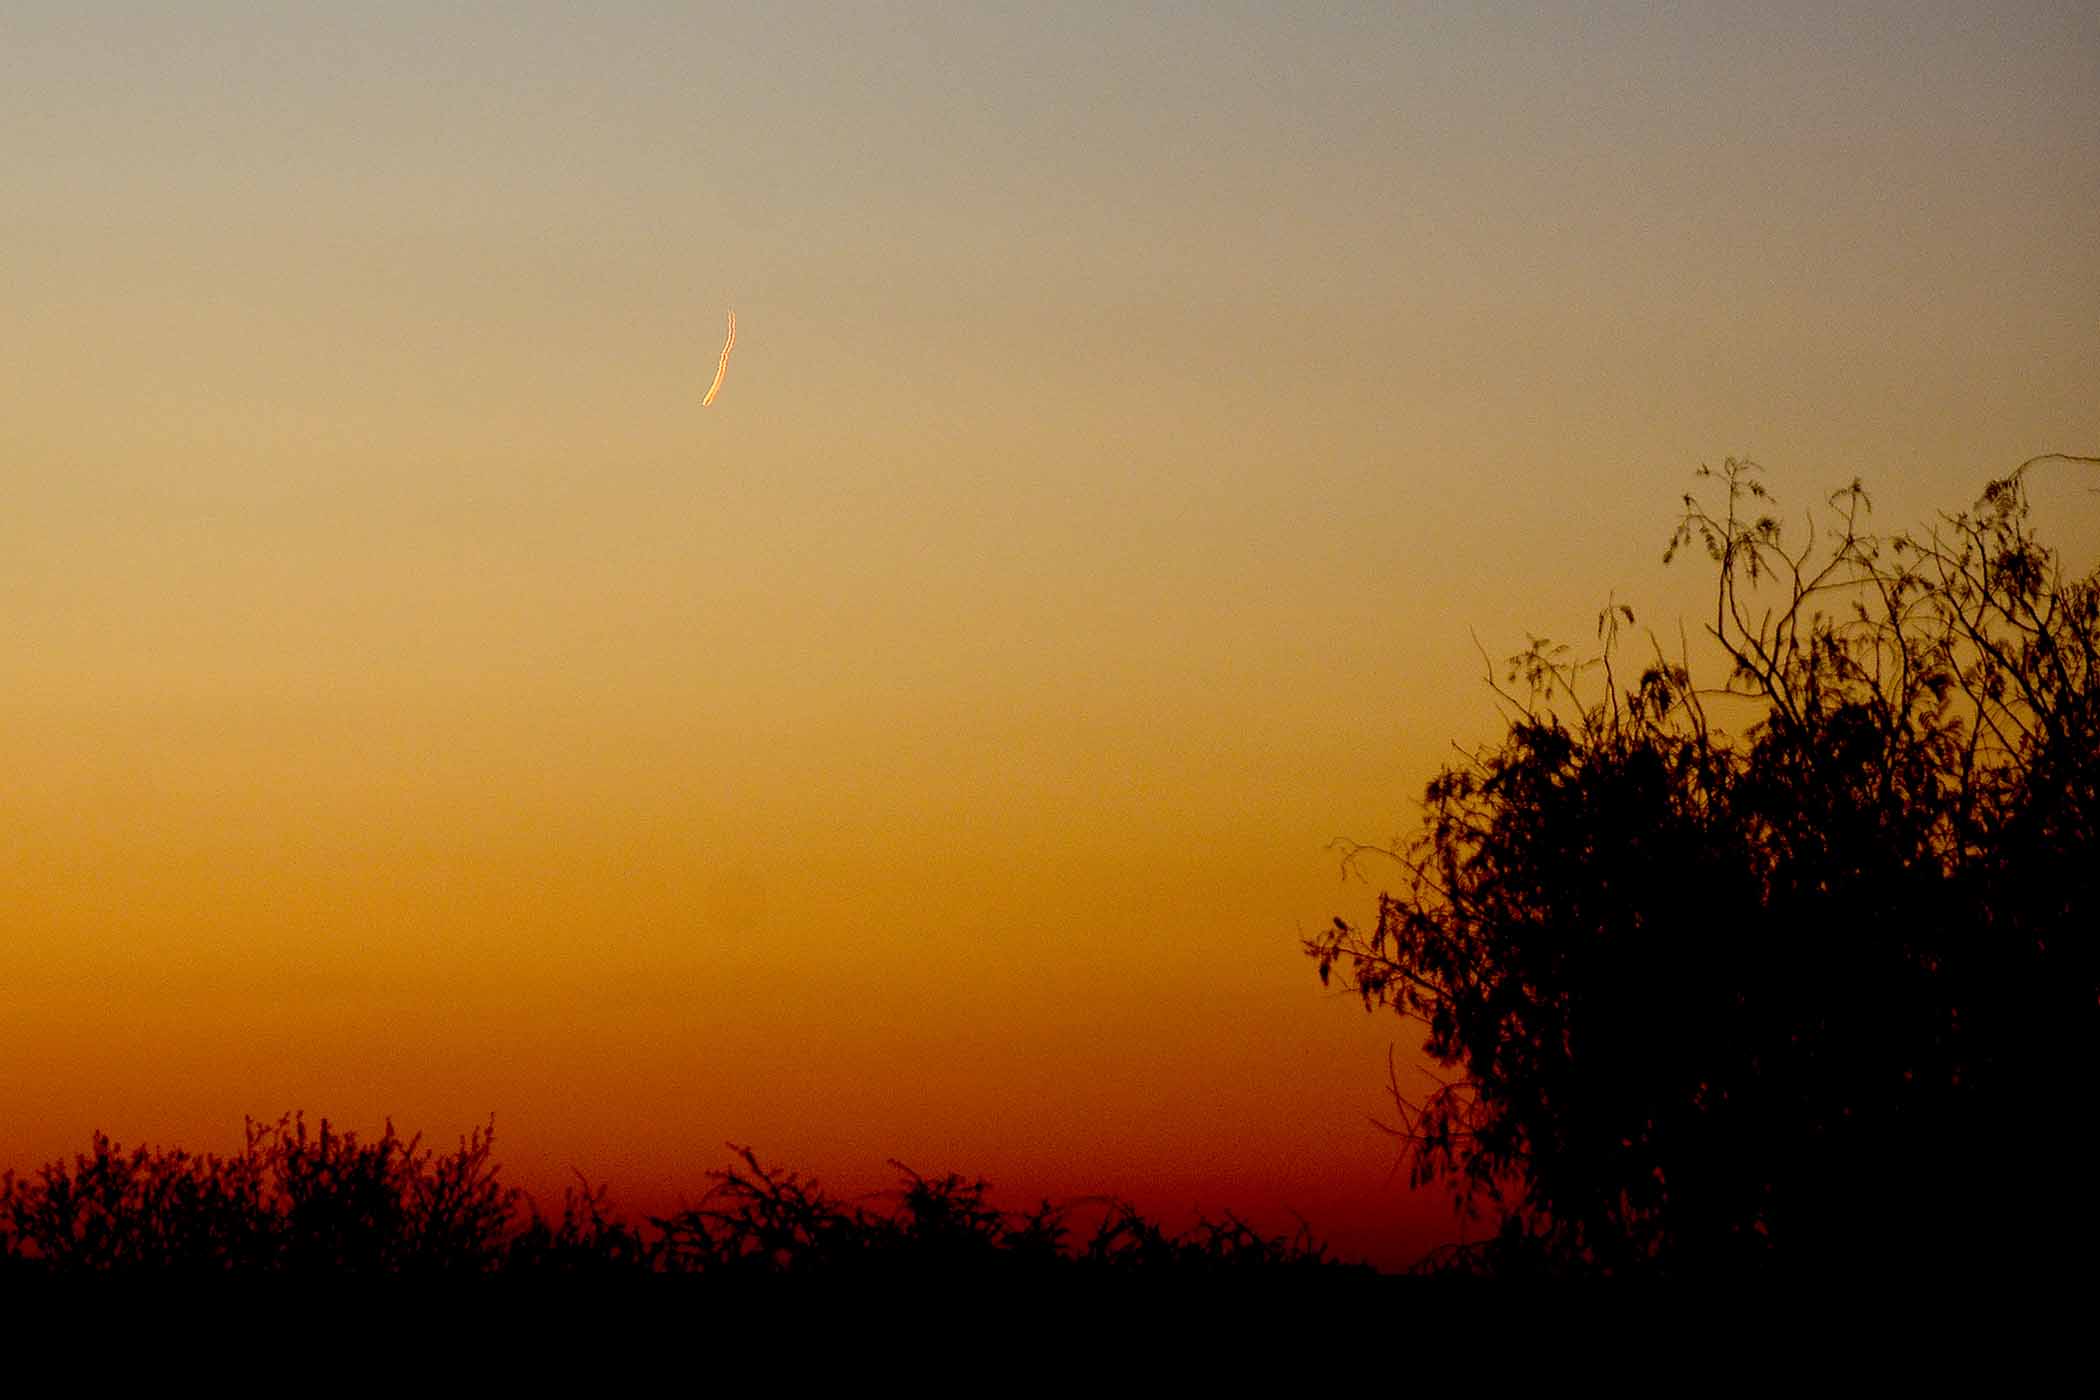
758, 1221
290, 1201
1819, 988
295, 1202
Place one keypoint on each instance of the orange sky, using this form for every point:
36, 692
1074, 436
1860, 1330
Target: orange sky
414, 704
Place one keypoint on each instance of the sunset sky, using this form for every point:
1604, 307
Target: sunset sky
413, 702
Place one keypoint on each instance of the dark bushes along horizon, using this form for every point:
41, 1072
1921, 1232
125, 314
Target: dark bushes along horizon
296, 1200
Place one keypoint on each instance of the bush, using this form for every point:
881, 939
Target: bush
301, 1203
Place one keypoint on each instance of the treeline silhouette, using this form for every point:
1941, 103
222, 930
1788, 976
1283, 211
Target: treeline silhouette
299, 1201
1796, 975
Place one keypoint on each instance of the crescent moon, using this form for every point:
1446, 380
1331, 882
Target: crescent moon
722, 368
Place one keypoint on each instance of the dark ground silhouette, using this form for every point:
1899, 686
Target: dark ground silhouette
296, 1201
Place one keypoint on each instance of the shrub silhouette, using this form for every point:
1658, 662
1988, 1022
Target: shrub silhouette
297, 1202
757, 1221
290, 1201
1815, 989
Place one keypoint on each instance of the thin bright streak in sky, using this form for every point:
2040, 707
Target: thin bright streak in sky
722, 368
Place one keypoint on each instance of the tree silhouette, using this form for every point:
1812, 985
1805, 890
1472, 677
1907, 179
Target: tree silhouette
1792, 974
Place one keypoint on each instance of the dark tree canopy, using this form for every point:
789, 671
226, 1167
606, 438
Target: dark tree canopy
1796, 973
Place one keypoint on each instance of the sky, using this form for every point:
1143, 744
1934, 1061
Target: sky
1143, 418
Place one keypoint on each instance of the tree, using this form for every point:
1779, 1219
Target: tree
1797, 972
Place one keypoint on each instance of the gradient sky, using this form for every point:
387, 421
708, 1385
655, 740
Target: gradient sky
412, 702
